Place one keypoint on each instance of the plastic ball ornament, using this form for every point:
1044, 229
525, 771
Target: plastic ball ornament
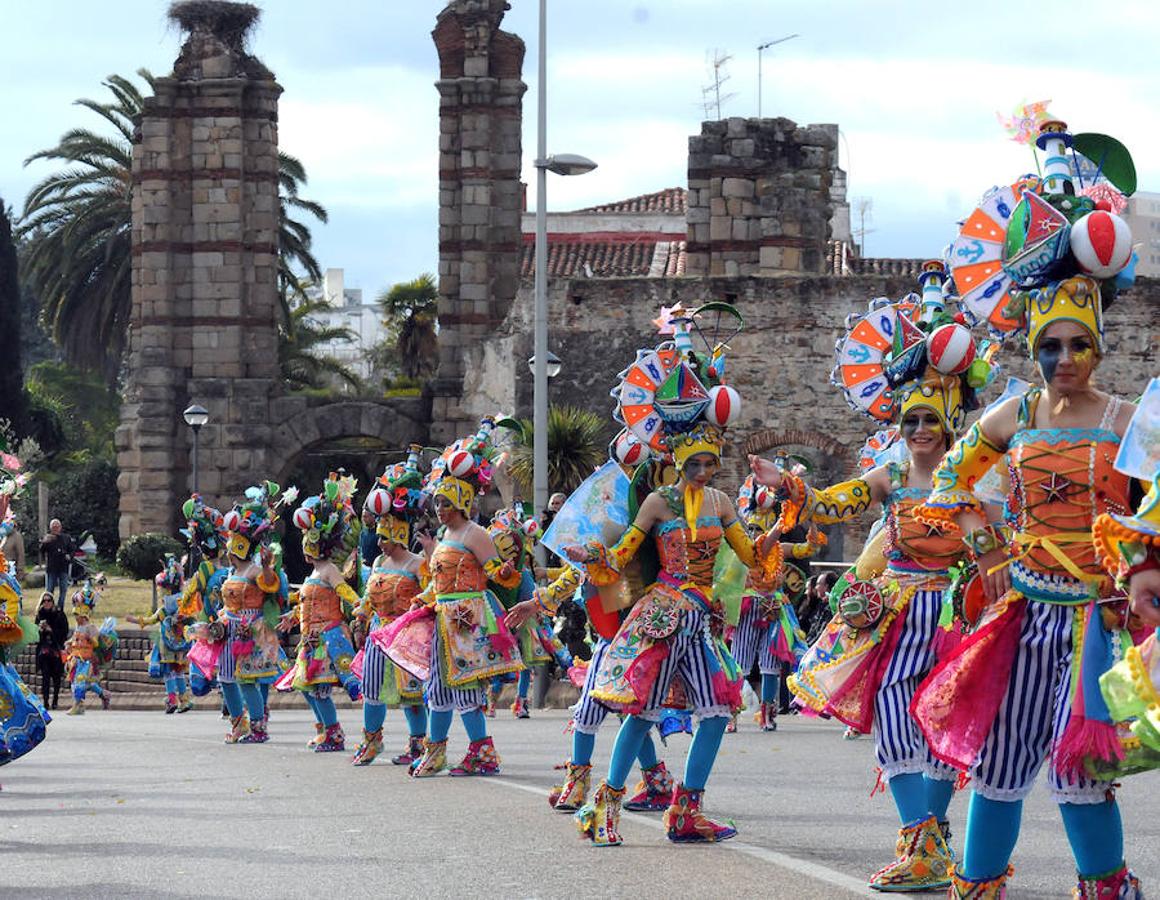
1101, 243
461, 463
764, 497
378, 501
629, 449
950, 349
724, 405
303, 518
231, 520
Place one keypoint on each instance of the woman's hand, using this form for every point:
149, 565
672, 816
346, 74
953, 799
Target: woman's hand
995, 584
767, 540
286, 620
1144, 591
520, 613
576, 553
266, 556
426, 541
765, 471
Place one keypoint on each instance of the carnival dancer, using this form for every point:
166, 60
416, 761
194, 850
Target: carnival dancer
672, 636
460, 642
170, 644
251, 608
865, 668
1129, 548
326, 603
1016, 692
767, 631
89, 649
201, 597
515, 537
22, 716
396, 578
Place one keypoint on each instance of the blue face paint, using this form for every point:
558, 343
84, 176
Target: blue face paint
1048, 356
1051, 351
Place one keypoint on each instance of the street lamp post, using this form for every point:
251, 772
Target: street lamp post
195, 416
760, 49
561, 164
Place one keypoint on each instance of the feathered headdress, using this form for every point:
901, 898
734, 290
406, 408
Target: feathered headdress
397, 498
250, 522
326, 519
1050, 247
204, 526
464, 470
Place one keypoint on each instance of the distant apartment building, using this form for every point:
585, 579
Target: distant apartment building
347, 310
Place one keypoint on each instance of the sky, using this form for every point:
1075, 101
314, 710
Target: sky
915, 94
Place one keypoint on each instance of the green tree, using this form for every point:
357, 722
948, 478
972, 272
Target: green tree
410, 313
576, 446
78, 222
87, 410
304, 363
12, 401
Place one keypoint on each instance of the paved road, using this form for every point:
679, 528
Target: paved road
136, 804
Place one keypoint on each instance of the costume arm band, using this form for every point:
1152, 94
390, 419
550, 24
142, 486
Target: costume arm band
1122, 550
767, 562
955, 478
424, 573
549, 598
505, 577
822, 506
606, 563
348, 595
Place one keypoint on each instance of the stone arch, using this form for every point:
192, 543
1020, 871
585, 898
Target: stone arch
397, 422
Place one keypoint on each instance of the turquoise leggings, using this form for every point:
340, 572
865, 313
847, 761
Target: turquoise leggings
698, 764
242, 698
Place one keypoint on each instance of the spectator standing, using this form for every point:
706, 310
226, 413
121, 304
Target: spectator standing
368, 540
53, 624
57, 548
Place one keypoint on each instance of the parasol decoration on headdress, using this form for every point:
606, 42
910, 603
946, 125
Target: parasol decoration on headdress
881, 349
976, 259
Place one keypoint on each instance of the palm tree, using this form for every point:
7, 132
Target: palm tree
410, 310
576, 446
304, 363
77, 223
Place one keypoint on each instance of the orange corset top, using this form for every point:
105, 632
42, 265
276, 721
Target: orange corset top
390, 592
455, 570
1061, 479
910, 544
240, 593
685, 559
321, 607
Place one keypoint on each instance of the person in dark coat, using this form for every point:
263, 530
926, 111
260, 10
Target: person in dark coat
53, 624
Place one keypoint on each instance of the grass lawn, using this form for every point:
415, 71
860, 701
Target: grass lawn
119, 598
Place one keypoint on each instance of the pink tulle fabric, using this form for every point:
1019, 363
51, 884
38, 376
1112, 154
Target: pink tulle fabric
727, 690
502, 640
356, 664
1086, 739
955, 707
407, 641
578, 675
205, 656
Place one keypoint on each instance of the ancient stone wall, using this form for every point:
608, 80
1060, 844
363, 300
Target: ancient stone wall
480, 109
759, 197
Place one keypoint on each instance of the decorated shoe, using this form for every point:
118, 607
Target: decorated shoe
413, 752
77, 709
654, 792
1118, 885
520, 708
963, 888
731, 725
599, 818
371, 746
170, 704
944, 827
258, 733
492, 703
239, 728
480, 759
924, 863
319, 736
570, 796
105, 701
432, 762
333, 741
185, 703
851, 733
768, 717
685, 823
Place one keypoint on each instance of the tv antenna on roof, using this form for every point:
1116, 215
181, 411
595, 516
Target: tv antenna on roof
711, 95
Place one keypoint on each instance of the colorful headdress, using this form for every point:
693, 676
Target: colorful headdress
514, 534
84, 599
673, 399
250, 522
464, 470
912, 352
397, 499
204, 528
326, 519
757, 505
170, 579
12, 481
1050, 248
